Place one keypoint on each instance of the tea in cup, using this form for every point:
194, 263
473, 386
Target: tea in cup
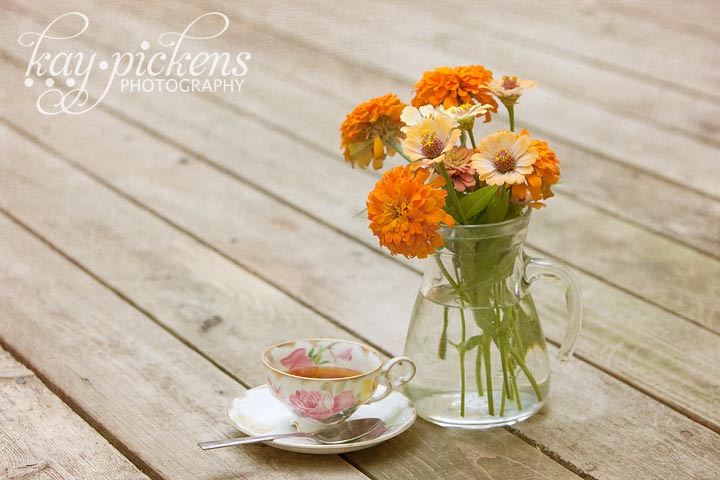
326, 380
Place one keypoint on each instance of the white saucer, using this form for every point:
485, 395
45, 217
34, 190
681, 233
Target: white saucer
258, 412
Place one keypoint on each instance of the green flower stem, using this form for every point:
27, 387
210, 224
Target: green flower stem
446, 274
488, 376
399, 150
462, 363
501, 340
442, 348
517, 391
528, 373
511, 115
452, 193
462, 383
472, 137
506, 383
478, 369
502, 400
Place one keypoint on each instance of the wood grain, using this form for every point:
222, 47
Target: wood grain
605, 316
664, 51
612, 188
695, 300
40, 437
625, 139
171, 202
537, 49
144, 160
152, 393
213, 305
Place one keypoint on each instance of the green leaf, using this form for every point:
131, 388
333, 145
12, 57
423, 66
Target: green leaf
358, 147
470, 343
498, 209
475, 202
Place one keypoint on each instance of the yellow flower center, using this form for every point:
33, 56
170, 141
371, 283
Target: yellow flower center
432, 146
509, 83
397, 210
503, 161
463, 109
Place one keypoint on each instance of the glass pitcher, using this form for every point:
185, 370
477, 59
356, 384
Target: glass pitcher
475, 335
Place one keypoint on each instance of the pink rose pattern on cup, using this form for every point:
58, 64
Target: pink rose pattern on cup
346, 355
297, 359
321, 400
320, 405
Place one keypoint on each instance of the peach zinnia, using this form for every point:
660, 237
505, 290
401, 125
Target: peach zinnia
458, 164
430, 139
504, 158
405, 213
451, 87
369, 128
510, 89
546, 173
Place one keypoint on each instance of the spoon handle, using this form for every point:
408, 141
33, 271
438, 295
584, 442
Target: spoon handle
245, 440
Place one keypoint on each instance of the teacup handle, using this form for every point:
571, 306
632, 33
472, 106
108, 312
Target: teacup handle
392, 384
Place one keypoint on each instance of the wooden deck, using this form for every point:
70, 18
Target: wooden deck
152, 247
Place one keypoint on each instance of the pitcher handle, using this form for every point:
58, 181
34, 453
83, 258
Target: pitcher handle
538, 269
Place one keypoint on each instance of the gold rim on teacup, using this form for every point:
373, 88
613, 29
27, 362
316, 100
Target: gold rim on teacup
290, 343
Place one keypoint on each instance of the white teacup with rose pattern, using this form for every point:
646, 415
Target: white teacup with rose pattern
325, 380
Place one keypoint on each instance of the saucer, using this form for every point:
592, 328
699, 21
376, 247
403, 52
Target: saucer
258, 412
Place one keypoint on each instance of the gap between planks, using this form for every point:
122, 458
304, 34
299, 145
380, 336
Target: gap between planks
545, 450
123, 449
226, 171
234, 175
399, 78
143, 311
361, 64
672, 405
571, 195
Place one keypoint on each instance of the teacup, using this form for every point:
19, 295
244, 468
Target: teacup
325, 380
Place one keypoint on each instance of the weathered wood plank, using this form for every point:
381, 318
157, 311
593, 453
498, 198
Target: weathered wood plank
615, 135
340, 205
694, 16
526, 51
40, 437
610, 186
155, 396
663, 50
89, 207
230, 315
695, 299
695, 221
188, 189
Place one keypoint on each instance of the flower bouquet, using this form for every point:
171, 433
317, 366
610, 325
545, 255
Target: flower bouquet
474, 333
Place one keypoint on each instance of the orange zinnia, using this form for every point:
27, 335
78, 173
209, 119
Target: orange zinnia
367, 129
405, 213
546, 173
451, 87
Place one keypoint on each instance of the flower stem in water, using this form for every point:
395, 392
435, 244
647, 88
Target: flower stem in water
528, 373
462, 365
488, 376
478, 370
442, 348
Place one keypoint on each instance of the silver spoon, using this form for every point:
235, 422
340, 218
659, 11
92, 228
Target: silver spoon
335, 434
